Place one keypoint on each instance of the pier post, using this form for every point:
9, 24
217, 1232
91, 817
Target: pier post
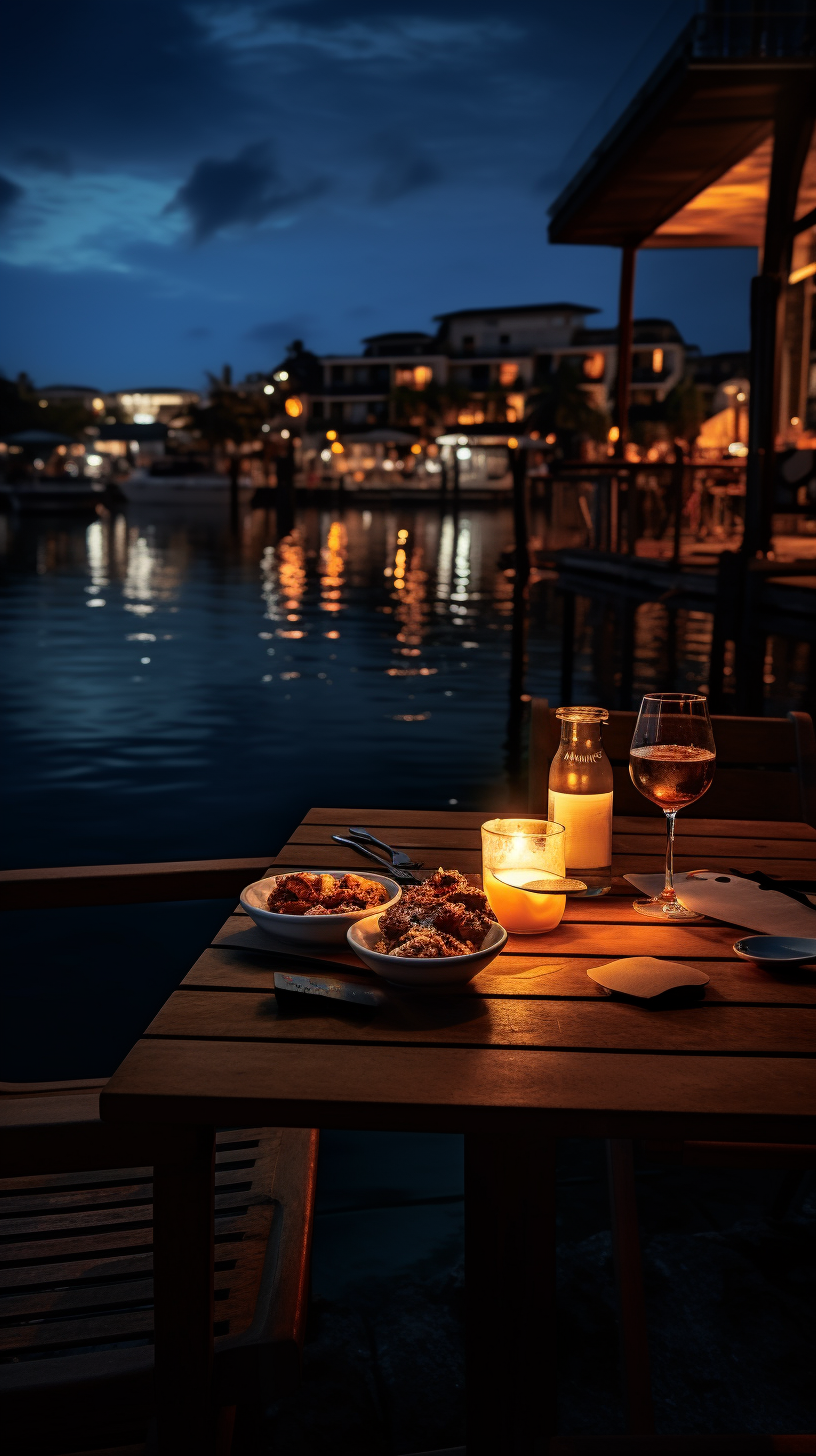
567, 644
626, 304
518, 643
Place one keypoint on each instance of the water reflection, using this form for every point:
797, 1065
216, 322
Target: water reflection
362, 657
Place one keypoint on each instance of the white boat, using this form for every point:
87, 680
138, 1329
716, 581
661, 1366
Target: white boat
143, 487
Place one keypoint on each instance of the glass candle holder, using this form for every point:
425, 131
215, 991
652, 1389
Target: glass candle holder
517, 852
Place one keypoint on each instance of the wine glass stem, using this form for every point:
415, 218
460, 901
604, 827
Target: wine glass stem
668, 888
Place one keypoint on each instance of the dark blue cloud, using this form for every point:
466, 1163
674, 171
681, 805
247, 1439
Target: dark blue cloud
404, 170
46, 159
244, 189
10, 194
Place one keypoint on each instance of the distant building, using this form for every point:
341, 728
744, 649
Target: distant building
493, 358
153, 405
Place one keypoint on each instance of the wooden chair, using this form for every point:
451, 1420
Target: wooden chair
766, 767
76, 1269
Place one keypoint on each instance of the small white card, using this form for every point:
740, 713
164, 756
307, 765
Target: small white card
646, 976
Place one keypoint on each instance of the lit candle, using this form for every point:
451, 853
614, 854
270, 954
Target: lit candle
519, 852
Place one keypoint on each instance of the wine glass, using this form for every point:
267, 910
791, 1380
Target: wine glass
671, 762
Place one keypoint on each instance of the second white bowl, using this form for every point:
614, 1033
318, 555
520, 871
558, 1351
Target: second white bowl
433, 971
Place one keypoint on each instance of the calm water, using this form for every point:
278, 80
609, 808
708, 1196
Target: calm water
178, 689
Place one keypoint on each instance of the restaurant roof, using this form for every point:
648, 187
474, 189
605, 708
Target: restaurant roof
687, 162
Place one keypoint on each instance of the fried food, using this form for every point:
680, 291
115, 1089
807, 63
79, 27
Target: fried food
304, 893
424, 943
441, 882
445, 916
453, 918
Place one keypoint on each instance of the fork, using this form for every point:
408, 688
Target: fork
398, 856
404, 876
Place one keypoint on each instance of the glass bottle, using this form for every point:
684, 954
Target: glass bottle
580, 797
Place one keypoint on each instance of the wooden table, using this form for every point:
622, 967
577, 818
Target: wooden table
528, 1052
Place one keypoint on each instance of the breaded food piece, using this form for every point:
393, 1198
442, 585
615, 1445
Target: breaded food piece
300, 886
326, 893
317, 910
369, 892
453, 918
415, 910
473, 899
422, 942
441, 882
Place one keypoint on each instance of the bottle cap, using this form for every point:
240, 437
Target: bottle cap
582, 715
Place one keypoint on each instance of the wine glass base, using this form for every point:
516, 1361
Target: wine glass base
665, 910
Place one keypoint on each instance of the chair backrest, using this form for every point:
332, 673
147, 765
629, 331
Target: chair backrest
766, 767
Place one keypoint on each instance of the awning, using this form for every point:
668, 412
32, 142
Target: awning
687, 163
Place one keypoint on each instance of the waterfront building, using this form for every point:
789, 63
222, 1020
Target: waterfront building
480, 367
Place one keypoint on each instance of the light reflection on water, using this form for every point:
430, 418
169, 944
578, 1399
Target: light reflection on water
227, 680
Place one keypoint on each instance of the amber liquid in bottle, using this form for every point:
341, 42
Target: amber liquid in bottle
580, 797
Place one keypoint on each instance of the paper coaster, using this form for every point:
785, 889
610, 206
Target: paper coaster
646, 976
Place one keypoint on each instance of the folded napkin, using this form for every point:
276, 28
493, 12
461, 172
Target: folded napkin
646, 977
736, 900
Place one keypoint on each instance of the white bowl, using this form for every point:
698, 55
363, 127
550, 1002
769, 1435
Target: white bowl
311, 930
433, 971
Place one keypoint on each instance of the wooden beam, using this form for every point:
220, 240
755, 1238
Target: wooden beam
128, 884
626, 304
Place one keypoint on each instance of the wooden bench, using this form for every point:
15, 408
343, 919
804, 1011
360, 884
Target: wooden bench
76, 1265
766, 767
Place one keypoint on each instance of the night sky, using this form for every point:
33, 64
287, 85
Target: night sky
183, 185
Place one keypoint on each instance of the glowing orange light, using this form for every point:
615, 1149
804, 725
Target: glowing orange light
508, 374
331, 434
614, 435
337, 448
594, 366
657, 361
294, 406
795, 420
549, 439
512, 443
416, 449
799, 273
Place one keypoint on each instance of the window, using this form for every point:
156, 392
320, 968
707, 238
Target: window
317, 409
480, 376
508, 374
360, 374
657, 361
504, 339
467, 341
336, 409
338, 374
594, 366
416, 378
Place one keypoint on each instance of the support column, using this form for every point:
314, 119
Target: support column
511, 1349
626, 304
793, 126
